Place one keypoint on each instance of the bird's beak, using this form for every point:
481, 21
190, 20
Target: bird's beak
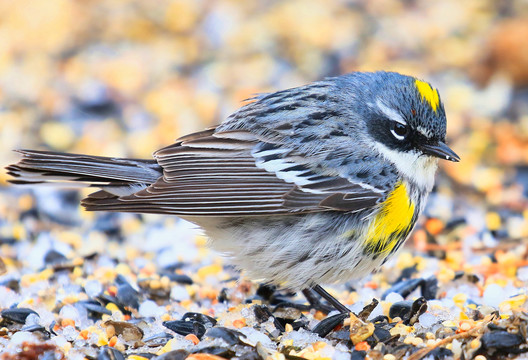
441, 151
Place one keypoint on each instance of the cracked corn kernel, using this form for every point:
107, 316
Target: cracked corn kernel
19, 232
112, 307
493, 221
193, 338
239, 323
417, 341
102, 339
413, 340
465, 326
155, 284
66, 347
110, 331
288, 342
319, 345
25, 202
513, 302
165, 281
77, 272
431, 342
400, 329
362, 346
172, 344
475, 344
123, 269
113, 341
67, 322
434, 226
446, 274
450, 324
209, 270
460, 299
120, 346
275, 356
319, 315
405, 260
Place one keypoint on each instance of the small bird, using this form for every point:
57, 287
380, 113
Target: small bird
320, 183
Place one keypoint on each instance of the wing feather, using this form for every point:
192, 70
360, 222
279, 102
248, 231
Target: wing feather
233, 173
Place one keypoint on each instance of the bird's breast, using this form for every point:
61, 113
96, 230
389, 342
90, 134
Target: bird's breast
392, 222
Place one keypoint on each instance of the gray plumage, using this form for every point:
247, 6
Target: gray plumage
289, 184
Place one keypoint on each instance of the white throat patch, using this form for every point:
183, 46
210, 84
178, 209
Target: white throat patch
413, 166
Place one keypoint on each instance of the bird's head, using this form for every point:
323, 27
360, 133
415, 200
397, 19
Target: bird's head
405, 121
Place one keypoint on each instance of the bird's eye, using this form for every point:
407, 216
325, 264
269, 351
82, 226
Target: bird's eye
399, 130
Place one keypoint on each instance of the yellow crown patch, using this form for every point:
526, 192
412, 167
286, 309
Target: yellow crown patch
428, 94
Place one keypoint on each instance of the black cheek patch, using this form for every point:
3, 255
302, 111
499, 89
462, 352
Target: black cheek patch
379, 130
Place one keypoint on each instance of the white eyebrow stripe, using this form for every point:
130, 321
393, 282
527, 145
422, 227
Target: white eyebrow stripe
390, 113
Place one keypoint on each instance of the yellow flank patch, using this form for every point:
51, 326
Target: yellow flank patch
428, 94
392, 223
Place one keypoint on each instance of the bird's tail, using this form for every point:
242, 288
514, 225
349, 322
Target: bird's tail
117, 176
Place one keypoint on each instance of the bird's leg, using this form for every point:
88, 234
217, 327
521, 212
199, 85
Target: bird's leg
332, 300
315, 302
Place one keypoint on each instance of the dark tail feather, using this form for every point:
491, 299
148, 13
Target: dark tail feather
52, 167
105, 201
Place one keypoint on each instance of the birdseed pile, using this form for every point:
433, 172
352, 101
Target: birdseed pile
110, 286
125, 78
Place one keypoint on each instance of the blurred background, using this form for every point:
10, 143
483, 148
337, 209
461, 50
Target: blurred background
126, 77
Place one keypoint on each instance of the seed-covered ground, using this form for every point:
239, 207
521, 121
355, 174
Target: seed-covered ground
124, 78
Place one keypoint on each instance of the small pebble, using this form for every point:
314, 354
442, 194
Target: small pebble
493, 295
427, 320
393, 297
522, 273
149, 308
179, 293
70, 312
93, 288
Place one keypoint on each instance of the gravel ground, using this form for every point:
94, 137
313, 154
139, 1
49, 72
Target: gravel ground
123, 78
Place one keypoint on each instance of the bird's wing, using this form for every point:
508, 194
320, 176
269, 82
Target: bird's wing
234, 173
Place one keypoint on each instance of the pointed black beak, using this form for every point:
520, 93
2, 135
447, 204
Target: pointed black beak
441, 151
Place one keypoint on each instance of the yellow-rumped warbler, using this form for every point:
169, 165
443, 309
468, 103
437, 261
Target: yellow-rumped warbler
315, 184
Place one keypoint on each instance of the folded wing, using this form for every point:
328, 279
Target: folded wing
233, 173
